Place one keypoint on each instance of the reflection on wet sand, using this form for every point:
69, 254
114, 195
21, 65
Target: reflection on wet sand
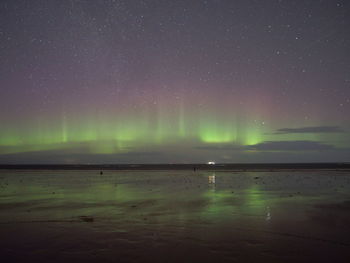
136, 216
211, 179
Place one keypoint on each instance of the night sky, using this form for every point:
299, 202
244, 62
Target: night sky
177, 81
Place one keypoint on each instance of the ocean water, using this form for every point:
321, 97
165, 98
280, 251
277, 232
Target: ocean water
174, 216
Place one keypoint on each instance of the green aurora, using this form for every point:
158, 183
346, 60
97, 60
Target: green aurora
124, 135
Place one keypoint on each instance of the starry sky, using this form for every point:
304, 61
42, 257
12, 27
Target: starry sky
182, 81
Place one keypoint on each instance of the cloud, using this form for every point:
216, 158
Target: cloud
290, 146
299, 145
313, 129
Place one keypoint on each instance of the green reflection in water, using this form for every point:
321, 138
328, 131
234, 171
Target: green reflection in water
229, 203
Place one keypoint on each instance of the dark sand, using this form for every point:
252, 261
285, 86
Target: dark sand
174, 216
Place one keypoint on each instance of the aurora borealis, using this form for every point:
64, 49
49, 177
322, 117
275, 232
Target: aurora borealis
174, 81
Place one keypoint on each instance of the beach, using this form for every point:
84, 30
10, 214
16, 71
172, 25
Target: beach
174, 216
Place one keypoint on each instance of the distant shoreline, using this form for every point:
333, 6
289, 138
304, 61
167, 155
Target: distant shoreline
231, 167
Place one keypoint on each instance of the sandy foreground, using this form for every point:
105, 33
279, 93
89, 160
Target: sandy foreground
174, 216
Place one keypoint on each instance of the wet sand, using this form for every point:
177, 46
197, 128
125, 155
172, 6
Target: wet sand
174, 216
